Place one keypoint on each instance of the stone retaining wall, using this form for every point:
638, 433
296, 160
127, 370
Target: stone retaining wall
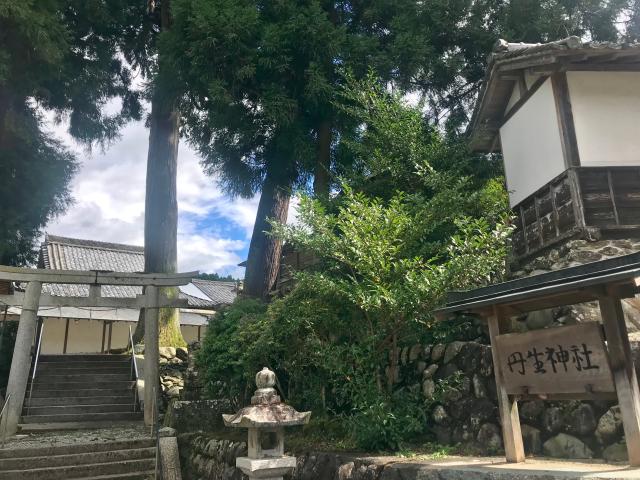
457, 380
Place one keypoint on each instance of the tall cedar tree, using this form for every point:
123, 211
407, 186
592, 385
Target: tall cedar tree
61, 56
161, 203
263, 78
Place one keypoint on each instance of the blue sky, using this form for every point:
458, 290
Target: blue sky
213, 230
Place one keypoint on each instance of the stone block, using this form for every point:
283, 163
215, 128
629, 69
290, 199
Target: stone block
531, 439
489, 438
616, 453
428, 388
452, 351
430, 371
566, 446
531, 410
553, 420
581, 420
440, 415
609, 426
437, 352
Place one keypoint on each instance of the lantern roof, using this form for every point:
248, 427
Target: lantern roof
266, 409
508, 63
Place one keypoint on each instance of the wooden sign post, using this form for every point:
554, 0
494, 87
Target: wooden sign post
566, 363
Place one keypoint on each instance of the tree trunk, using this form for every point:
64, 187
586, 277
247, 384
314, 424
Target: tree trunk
161, 204
323, 165
263, 262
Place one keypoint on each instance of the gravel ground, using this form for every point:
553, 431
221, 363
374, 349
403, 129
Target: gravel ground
72, 437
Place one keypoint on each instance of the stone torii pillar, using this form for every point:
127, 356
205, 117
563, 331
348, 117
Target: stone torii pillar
21, 363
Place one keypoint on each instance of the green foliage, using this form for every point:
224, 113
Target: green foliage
375, 283
417, 214
223, 359
63, 56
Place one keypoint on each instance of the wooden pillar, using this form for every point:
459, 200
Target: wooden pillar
66, 337
21, 362
151, 355
624, 374
511, 433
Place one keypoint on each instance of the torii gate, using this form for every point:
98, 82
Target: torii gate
32, 299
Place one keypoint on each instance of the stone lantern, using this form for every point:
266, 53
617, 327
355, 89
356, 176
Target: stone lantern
265, 419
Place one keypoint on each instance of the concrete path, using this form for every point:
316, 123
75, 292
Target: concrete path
495, 468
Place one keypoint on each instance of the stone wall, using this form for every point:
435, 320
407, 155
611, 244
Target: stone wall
457, 381
207, 457
570, 254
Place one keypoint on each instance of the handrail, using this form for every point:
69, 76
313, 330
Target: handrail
35, 366
134, 370
4, 407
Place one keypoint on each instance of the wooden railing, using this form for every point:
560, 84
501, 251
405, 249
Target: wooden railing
579, 201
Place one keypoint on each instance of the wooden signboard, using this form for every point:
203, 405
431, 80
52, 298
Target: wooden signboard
564, 360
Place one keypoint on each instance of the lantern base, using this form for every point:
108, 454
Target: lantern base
273, 468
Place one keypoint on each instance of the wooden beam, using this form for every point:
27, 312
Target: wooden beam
18, 274
110, 328
508, 407
576, 197
522, 100
66, 336
141, 301
624, 374
565, 119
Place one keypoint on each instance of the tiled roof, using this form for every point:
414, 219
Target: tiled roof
221, 293
64, 253
507, 59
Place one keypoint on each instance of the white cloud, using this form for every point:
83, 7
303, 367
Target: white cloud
109, 191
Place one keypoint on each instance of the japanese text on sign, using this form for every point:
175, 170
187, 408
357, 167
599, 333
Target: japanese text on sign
563, 360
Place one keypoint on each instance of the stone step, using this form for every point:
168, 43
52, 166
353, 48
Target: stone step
96, 382
77, 448
99, 400
84, 367
73, 409
80, 471
57, 392
72, 459
35, 428
46, 378
148, 475
83, 357
81, 417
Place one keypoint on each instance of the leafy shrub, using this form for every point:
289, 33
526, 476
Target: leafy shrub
385, 261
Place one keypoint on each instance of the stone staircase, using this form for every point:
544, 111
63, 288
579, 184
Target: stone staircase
80, 391
120, 460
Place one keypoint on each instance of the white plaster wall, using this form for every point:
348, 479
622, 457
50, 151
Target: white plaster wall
606, 110
531, 145
515, 96
85, 336
190, 333
53, 336
120, 334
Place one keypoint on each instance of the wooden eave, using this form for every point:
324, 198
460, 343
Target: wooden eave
618, 277
504, 69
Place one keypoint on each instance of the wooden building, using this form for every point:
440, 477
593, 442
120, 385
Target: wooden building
564, 115
94, 330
